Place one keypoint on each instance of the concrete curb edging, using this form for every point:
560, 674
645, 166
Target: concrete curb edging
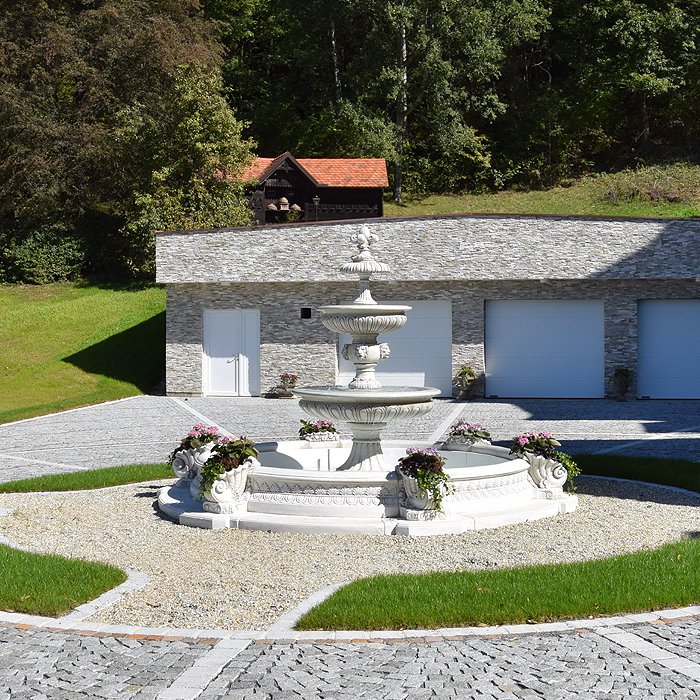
285, 625
135, 580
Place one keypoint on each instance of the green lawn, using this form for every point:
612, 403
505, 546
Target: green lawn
90, 479
662, 191
663, 578
46, 584
67, 345
666, 577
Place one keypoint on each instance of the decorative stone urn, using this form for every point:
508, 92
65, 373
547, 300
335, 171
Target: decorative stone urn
413, 505
228, 492
187, 463
322, 436
548, 475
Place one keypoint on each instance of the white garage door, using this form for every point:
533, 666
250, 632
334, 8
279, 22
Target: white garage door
421, 351
545, 349
668, 348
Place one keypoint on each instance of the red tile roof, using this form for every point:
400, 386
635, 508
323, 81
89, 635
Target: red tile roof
332, 172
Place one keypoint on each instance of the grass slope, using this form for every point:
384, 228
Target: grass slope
90, 479
67, 345
46, 584
657, 191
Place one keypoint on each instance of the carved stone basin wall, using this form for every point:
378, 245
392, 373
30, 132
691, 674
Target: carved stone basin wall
297, 488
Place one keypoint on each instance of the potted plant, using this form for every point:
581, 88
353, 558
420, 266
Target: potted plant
549, 468
288, 380
466, 433
424, 479
464, 377
193, 451
224, 475
318, 430
622, 381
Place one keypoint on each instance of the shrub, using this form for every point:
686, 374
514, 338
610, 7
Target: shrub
41, 257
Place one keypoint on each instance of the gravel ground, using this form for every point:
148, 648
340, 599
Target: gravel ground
246, 580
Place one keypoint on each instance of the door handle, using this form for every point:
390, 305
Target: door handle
233, 359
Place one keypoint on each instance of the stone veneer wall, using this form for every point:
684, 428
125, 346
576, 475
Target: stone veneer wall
440, 248
466, 259
289, 343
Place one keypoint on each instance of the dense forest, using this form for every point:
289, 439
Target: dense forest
121, 117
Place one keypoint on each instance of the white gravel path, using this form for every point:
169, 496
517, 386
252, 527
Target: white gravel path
246, 580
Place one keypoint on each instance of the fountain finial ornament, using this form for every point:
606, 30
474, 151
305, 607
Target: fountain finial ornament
363, 264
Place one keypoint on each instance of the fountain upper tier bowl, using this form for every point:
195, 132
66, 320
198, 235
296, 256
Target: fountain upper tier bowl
364, 321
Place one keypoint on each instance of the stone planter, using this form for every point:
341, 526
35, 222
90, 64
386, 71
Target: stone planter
228, 492
464, 441
322, 436
187, 463
548, 475
412, 504
284, 392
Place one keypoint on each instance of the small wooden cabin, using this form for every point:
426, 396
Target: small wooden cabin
287, 189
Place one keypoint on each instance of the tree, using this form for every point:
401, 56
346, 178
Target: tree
72, 75
195, 157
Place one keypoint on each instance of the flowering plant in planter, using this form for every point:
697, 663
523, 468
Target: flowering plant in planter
288, 380
229, 454
315, 427
532, 445
464, 431
426, 466
542, 444
464, 377
198, 436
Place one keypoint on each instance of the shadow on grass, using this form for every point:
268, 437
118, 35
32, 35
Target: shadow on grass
134, 356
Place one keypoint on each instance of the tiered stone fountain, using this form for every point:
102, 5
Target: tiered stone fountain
364, 404
352, 486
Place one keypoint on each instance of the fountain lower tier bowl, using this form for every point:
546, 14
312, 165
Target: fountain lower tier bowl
297, 488
367, 412
369, 405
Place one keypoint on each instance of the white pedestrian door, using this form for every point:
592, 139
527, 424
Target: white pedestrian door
231, 362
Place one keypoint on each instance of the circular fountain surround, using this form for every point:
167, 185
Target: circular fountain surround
352, 486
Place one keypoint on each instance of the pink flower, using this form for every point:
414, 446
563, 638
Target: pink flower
522, 440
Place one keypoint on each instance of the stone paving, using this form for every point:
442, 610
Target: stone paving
113, 433
573, 665
659, 659
37, 664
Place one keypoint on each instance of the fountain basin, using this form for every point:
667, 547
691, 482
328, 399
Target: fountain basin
298, 488
367, 412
